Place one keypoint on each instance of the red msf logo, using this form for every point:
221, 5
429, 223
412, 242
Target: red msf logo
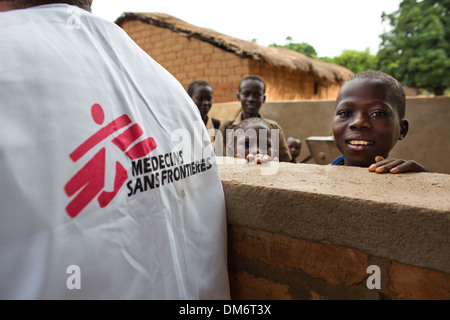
91, 178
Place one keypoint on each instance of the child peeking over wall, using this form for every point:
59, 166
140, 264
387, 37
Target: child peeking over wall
253, 140
368, 122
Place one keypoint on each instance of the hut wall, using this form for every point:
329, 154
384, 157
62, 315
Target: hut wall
189, 59
287, 85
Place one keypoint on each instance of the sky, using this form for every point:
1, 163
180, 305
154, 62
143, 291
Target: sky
330, 26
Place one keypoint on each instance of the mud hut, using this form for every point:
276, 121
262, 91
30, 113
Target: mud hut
193, 53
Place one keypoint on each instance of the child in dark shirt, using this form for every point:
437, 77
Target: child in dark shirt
369, 120
201, 93
295, 146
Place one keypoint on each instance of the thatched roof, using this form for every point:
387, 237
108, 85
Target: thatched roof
278, 57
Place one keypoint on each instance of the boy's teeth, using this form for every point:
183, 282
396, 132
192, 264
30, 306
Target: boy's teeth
363, 142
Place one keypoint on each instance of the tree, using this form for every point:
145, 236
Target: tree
303, 48
326, 59
416, 50
357, 61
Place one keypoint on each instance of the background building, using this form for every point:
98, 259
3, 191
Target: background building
192, 53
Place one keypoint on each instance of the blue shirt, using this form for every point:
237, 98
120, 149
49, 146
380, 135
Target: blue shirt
339, 161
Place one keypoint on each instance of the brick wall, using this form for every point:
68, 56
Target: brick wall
310, 232
286, 85
269, 266
190, 59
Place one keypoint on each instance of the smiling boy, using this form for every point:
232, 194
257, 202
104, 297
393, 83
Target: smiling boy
368, 122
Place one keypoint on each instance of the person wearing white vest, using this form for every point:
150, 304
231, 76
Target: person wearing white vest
109, 187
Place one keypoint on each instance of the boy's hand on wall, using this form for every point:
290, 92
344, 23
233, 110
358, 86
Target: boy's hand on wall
258, 158
391, 165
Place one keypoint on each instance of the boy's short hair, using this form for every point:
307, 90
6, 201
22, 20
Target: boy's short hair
396, 93
197, 83
297, 140
22, 4
252, 77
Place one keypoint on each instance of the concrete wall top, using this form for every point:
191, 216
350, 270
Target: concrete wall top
404, 217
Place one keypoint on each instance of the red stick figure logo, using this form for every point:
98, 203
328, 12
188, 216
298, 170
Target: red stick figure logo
89, 181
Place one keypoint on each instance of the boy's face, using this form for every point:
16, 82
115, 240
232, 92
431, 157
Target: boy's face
251, 96
254, 140
294, 148
203, 96
366, 124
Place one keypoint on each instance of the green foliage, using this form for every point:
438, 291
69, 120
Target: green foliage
326, 59
416, 50
357, 61
303, 48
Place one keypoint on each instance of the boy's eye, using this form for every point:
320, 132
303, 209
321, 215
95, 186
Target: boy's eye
378, 113
256, 95
344, 113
